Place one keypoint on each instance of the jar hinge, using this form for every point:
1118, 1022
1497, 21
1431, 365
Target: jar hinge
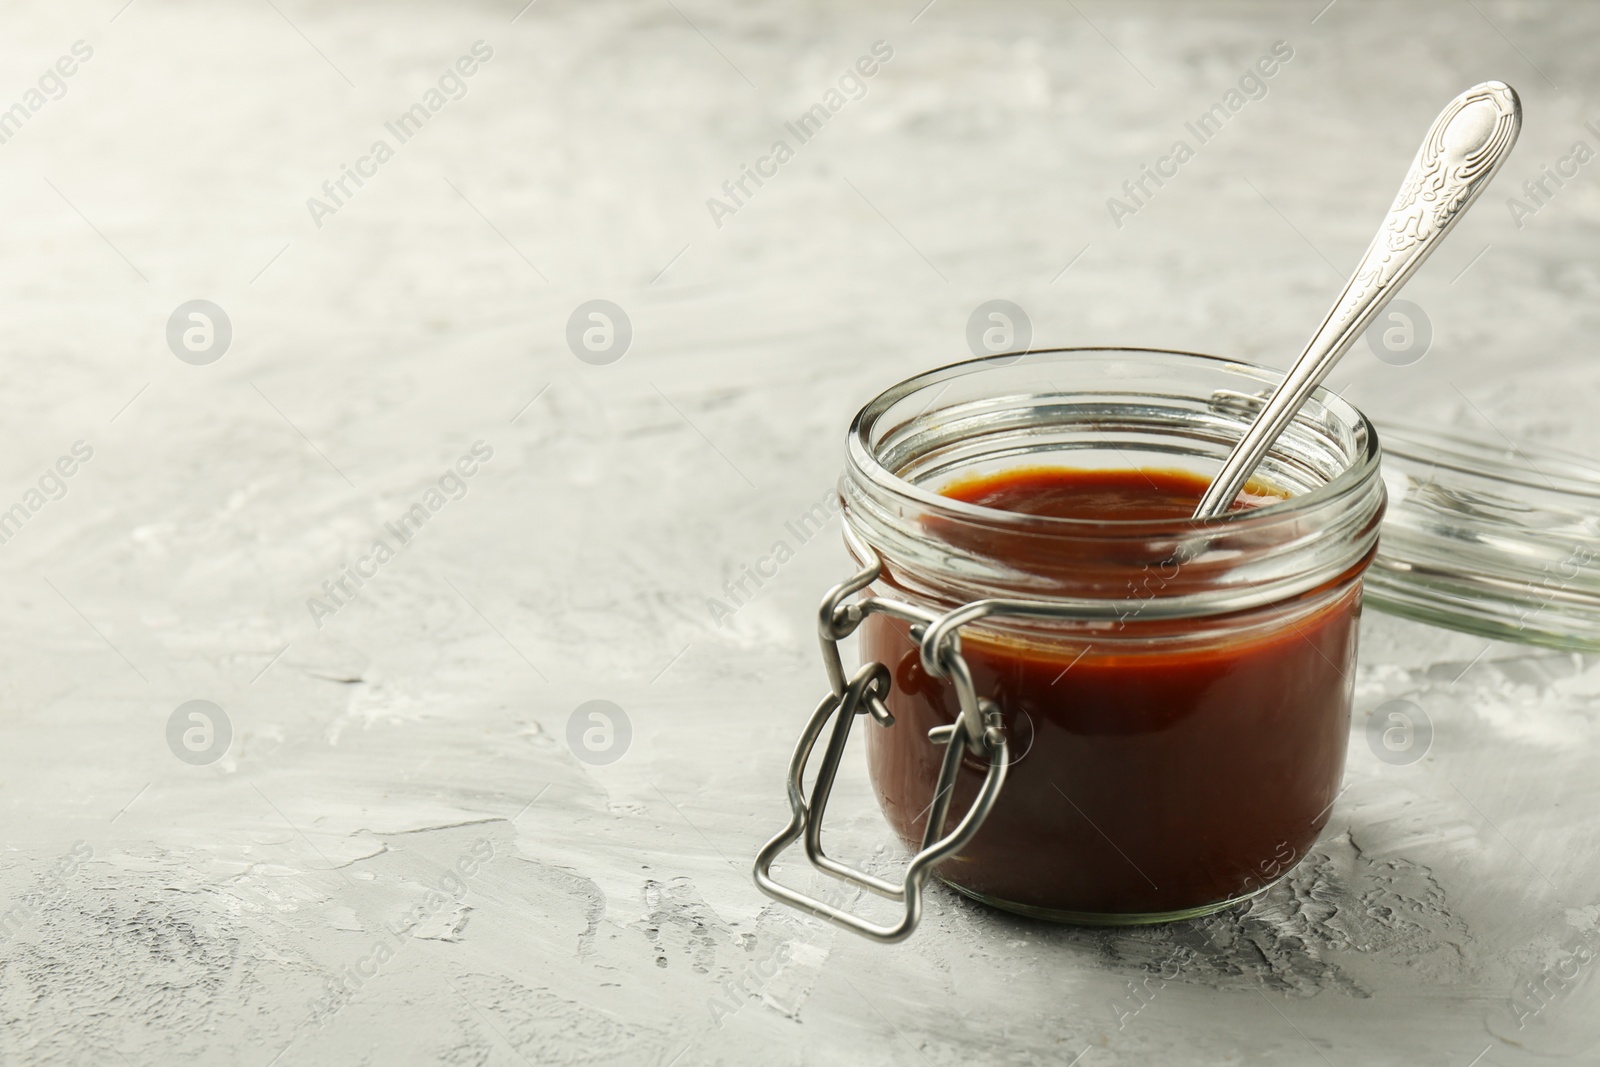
977, 729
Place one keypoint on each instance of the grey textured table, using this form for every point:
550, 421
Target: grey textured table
397, 855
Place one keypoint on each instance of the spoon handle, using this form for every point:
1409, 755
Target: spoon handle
1464, 148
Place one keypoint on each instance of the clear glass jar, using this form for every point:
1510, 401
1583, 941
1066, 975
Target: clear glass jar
1177, 740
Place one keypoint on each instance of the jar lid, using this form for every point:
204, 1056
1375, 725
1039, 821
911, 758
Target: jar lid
1490, 538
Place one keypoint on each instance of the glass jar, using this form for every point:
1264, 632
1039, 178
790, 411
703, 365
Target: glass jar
1178, 735
1140, 720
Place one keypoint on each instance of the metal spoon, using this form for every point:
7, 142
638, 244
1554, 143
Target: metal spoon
1464, 148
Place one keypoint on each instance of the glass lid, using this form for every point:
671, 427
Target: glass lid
1489, 538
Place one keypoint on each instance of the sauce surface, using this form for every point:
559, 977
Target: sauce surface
1073, 494
1155, 769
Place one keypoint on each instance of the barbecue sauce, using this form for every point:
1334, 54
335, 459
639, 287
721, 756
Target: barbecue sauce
1156, 769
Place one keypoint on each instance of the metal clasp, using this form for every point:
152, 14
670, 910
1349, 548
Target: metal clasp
977, 730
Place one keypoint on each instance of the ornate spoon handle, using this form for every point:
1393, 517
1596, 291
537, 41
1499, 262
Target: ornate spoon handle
1464, 148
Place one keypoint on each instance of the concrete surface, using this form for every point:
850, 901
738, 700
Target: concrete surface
380, 843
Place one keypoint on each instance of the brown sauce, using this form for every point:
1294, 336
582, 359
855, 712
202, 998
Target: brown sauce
1149, 776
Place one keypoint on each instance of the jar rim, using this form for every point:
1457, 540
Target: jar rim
1358, 472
